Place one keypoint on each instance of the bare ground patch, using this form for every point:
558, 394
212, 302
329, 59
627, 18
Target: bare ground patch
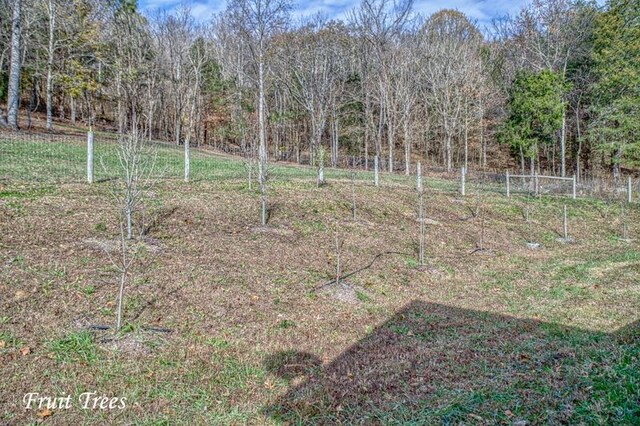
234, 295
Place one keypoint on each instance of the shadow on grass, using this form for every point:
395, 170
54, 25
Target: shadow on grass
437, 364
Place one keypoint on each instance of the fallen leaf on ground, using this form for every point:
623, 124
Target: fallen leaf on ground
45, 413
25, 351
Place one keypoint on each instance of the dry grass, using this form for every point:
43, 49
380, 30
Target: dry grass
518, 335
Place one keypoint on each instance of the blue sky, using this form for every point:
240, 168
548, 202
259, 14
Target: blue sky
481, 10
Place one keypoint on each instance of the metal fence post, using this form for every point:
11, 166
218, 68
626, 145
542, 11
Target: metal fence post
376, 175
90, 156
573, 186
462, 179
629, 189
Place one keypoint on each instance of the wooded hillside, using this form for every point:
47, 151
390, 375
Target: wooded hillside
554, 88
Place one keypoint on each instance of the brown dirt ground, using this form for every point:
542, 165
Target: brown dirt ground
209, 274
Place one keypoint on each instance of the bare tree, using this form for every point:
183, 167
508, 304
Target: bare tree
173, 33
198, 56
381, 24
50, 58
13, 98
135, 178
257, 21
452, 43
313, 64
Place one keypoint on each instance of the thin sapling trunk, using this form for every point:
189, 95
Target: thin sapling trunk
338, 246
353, 195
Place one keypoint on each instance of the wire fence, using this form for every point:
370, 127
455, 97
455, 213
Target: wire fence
50, 158
44, 157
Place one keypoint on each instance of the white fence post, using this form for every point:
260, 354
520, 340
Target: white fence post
376, 173
508, 185
565, 224
187, 160
90, 156
418, 177
573, 186
462, 181
629, 189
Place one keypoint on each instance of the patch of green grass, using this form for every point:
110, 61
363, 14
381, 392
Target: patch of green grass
284, 324
411, 262
308, 227
581, 271
134, 303
218, 343
615, 383
9, 340
501, 280
129, 328
27, 193
363, 297
75, 347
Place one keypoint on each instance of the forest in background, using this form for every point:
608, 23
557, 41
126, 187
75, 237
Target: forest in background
552, 89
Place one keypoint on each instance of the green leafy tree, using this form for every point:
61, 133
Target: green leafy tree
616, 55
534, 112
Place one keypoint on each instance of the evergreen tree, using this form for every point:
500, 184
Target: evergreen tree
535, 110
616, 55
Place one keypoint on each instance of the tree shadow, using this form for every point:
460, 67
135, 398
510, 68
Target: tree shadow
289, 365
629, 333
432, 363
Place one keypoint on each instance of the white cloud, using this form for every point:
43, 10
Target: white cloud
480, 10
202, 10
483, 11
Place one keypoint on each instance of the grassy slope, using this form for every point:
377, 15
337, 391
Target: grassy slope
54, 161
516, 335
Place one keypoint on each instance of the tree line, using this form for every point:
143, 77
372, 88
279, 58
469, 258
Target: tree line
554, 88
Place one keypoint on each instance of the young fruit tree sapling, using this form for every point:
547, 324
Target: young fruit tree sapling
353, 195
127, 192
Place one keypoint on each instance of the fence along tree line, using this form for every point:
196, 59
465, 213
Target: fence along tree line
533, 186
135, 79
385, 80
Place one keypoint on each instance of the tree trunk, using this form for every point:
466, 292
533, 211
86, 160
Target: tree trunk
391, 141
407, 149
563, 132
615, 163
448, 152
178, 128
366, 133
72, 105
483, 144
579, 139
379, 132
13, 99
466, 143
262, 153
32, 102
123, 280
52, 24
334, 142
